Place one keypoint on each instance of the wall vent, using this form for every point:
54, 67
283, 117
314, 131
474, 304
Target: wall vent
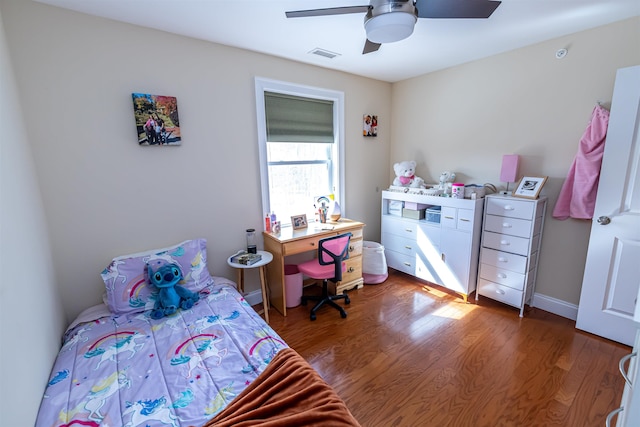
325, 53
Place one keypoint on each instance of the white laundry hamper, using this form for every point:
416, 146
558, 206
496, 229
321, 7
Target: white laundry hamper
374, 263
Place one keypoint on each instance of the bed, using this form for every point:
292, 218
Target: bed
216, 364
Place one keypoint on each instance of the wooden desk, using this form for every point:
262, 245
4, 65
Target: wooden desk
291, 242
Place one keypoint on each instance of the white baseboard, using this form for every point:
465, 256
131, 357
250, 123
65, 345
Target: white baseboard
555, 306
254, 297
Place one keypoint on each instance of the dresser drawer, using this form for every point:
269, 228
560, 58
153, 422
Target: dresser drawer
401, 262
400, 227
464, 219
506, 243
502, 276
399, 244
448, 217
512, 262
512, 226
500, 293
511, 207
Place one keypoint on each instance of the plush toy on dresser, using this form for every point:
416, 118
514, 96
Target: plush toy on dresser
405, 175
165, 276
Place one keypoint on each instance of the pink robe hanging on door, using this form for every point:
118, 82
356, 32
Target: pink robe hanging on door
577, 197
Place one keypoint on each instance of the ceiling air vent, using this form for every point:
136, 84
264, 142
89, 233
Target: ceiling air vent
325, 53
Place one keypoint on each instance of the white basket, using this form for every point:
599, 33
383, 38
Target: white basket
373, 259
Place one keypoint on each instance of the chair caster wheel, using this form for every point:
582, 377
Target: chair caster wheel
347, 301
343, 314
312, 316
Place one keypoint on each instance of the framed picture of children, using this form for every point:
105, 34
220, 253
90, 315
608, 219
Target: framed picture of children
157, 121
370, 125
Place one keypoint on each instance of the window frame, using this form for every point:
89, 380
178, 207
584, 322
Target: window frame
263, 85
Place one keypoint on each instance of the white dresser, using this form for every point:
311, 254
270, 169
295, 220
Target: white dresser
511, 238
442, 248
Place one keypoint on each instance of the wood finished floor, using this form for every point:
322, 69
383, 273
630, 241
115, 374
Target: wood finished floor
411, 354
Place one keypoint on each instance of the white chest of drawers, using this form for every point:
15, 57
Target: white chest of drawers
444, 250
511, 238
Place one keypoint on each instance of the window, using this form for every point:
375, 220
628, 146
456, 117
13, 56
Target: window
300, 134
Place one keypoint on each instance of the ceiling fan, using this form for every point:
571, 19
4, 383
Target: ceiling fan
388, 21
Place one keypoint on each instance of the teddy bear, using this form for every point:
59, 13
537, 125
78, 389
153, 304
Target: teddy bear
405, 175
446, 178
165, 276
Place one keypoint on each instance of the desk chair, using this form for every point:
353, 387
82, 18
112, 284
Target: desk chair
329, 265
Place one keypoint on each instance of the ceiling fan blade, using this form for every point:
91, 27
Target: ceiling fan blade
370, 47
462, 9
327, 11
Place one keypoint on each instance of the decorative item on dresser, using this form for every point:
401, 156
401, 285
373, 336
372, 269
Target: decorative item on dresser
511, 240
436, 239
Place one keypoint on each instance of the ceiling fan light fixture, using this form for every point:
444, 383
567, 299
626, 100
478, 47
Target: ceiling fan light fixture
390, 27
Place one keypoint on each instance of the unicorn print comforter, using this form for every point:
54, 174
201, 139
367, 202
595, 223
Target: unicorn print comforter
130, 370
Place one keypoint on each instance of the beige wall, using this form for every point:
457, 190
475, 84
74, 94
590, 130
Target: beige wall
28, 342
525, 102
104, 195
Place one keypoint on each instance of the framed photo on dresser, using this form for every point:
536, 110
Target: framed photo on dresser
529, 187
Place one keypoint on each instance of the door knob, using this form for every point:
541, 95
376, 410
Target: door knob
604, 220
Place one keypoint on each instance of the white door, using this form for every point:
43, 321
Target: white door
612, 271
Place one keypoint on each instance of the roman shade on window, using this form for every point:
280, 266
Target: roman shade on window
296, 119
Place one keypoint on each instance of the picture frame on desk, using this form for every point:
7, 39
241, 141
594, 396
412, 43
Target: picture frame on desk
529, 187
299, 221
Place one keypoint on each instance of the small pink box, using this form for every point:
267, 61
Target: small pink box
415, 206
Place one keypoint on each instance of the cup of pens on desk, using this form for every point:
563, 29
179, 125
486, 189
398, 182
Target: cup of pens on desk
322, 214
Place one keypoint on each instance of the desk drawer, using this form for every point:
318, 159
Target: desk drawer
302, 245
355, 248
353, 271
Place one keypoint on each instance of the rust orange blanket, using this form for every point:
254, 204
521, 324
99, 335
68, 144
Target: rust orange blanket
288, 393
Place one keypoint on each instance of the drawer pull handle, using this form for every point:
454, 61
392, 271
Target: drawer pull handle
502, 259
351, 249
408, 247
408, 264
622, 370
500, 291
465, 219
502, 275
504, 242
506, 225
351, 270
448, 217
508, 208
408, 230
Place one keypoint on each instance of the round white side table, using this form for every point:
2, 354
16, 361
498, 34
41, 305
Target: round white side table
267, 257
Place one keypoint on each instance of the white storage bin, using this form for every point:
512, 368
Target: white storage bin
374, 263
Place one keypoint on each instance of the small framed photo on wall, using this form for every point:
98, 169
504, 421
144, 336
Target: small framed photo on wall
370, 125
157, 121
529, 187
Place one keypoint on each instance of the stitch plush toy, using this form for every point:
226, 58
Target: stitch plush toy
165, 276
405, 175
